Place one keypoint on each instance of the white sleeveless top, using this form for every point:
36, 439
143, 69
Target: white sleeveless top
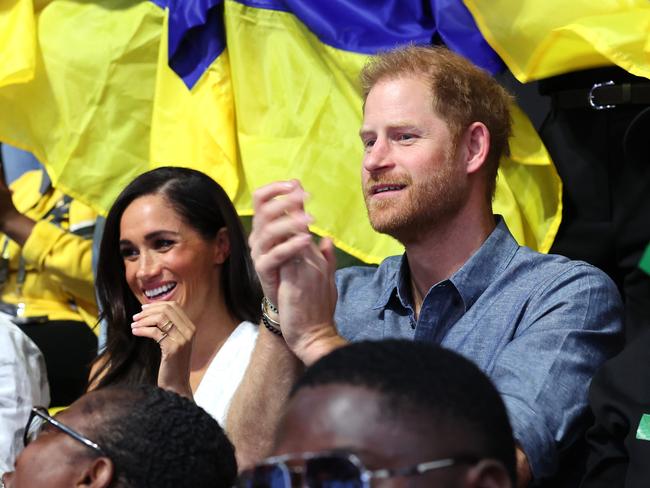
226, 371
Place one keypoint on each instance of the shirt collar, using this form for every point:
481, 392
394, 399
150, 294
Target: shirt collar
471, 280
392, 271
485, 265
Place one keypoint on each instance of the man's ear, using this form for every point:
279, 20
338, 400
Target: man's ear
488, 473
476, 142
221, 246
98, 474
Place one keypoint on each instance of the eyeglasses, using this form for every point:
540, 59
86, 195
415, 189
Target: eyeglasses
331, 470
39, 418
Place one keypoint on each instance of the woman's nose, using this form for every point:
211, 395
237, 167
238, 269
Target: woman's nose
148, 266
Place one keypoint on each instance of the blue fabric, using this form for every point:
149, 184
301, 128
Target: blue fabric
368, 26
538, 325
197, 34
459, 32
363, 26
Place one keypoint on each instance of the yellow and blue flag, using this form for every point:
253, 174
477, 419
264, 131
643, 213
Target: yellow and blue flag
294, 68
248, 91
193, 120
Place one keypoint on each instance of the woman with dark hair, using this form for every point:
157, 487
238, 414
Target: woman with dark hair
177, 289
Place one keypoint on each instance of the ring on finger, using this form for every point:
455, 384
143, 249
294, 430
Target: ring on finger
162, 337
166, 327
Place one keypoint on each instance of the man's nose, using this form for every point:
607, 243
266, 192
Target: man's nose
377, 157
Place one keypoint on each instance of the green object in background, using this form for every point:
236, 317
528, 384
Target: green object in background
643, 432
644, 264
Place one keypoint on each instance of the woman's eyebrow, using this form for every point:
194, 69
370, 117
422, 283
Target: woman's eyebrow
160, 233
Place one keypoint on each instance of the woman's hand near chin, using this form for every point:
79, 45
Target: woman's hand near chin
168, 325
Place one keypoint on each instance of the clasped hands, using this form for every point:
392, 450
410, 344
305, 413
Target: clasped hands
296, 274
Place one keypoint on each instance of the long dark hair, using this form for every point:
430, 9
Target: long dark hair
204, 206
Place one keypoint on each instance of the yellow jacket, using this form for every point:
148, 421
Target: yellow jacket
58, 280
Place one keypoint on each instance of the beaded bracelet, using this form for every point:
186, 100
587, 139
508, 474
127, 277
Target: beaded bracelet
266, 320
269, 323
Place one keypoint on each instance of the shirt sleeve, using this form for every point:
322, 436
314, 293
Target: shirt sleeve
570, 325
23, 384
63, 254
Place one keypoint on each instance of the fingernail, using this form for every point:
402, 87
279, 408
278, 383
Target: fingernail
145, 305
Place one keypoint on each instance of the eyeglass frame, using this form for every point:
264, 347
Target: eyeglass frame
365, 475
43, 414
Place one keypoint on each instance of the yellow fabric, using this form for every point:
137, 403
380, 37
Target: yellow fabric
538, 39
59, 279
103, 106
17, 41
195, 128
529, 189
86, 112
104, 93
298, 114
55, 410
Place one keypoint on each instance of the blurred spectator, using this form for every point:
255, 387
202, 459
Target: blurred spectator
396, 411
132, 437
46, 279
23, 383
619, 441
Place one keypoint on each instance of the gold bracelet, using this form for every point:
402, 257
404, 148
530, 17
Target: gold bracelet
268, 305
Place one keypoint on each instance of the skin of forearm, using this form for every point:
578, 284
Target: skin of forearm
17, 227
320, 345
258, 403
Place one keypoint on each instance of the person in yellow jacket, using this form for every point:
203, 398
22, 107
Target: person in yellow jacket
46, 278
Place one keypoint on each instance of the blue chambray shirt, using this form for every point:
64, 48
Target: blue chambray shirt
538, 325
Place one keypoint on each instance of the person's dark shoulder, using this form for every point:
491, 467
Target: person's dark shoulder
619, 440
